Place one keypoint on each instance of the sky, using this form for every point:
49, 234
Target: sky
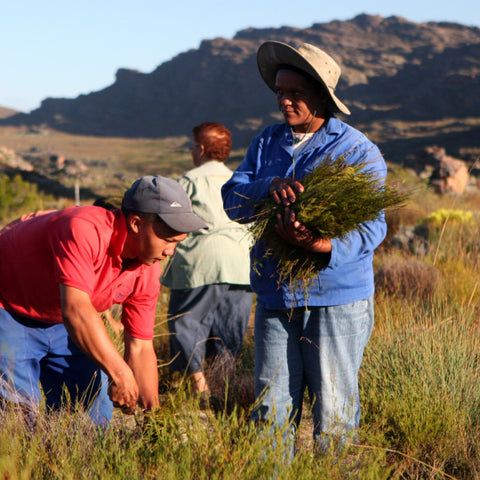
63, 48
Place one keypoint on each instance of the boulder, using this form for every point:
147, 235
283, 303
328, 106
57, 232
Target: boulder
449, 175
9, 159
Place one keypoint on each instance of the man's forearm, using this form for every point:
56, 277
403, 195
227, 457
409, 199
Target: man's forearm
140, 356
87, 330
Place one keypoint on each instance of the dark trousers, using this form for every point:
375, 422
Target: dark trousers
211, 319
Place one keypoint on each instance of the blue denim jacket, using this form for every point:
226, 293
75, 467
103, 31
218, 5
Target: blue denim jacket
349, 274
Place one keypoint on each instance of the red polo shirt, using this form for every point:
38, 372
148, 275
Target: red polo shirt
79, 247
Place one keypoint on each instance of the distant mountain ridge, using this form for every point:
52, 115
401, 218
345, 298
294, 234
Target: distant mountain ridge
393, 70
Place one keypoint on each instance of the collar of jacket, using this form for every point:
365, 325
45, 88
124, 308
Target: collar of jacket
332, 126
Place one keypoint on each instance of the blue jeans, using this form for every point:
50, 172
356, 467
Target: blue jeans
33, 352
320, 349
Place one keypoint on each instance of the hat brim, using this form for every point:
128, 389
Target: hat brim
183, 222
271, 55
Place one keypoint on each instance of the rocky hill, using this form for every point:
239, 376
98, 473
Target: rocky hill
7, 112
407, 84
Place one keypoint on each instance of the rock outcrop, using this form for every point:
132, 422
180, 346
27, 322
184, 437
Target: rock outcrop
449, 175
394, 71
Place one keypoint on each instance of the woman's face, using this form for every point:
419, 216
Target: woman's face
196, 150
300, 100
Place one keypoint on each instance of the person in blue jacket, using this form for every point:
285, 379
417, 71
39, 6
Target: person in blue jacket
312, 339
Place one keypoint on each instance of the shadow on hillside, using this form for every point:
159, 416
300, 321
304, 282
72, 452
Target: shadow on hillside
404, 149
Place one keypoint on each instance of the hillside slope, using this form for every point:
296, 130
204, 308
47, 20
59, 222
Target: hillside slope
395, 73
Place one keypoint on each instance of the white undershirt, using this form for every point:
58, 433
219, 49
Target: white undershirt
301, 141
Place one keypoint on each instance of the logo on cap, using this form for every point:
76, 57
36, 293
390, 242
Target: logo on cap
175, 204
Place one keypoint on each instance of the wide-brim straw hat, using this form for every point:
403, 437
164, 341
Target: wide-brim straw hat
307, 58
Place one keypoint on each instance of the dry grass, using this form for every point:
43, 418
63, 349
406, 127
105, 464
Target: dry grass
407, 278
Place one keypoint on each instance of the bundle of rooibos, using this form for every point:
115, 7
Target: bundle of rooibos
338, 198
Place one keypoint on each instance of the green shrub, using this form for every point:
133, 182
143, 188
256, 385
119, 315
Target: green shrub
18, 196
442, 215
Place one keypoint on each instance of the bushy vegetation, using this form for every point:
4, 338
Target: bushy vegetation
18, 196
420, 386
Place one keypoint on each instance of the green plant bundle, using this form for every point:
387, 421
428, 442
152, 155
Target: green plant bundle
337, 199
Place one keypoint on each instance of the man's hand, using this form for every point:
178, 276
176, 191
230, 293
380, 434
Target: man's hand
283, 190
294, 232
123, 392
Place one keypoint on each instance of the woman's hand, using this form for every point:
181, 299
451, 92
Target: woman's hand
283, 190
294, 232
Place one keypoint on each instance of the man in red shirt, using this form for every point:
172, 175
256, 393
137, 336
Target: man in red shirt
58, 270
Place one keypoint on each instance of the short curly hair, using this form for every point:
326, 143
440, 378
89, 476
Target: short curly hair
215, 138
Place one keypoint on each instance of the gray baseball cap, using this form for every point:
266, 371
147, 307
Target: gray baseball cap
167, 199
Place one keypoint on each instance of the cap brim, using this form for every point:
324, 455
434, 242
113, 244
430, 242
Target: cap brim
183, 222
271, 55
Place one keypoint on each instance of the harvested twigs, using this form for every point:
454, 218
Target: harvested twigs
338, 198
